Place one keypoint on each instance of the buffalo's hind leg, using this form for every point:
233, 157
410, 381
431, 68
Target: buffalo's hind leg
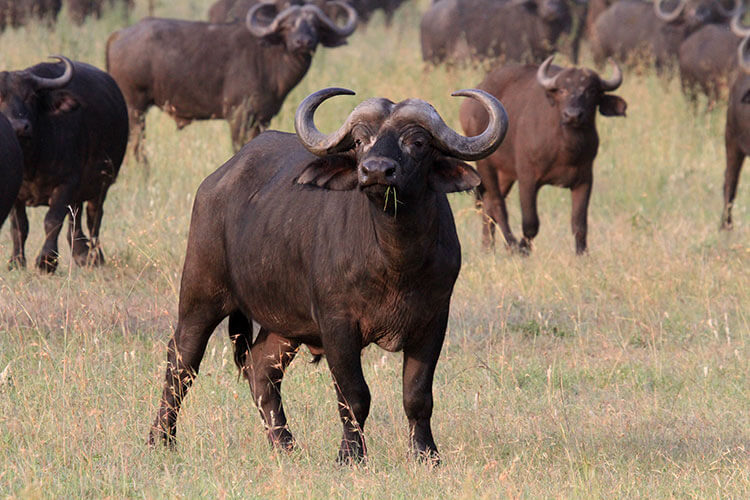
735, 157
195, 325
270, 355
79, 243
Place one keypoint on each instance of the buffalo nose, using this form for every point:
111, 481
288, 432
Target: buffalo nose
22, 128
377, 171
302, 44
572, 115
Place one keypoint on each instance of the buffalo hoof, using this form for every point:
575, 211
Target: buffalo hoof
428, 457
16, 262
524, 248
284, 441
158, 436
351, 453
47, 263
726, 225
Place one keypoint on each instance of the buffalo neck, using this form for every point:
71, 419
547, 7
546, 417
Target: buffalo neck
289, 68
405, 237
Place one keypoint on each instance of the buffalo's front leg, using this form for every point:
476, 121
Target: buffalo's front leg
59, 204
94, 213
244, 126
735, 157
271, 354
79, 244
351, 390
19, 231
528, 192
579, 215
420, 358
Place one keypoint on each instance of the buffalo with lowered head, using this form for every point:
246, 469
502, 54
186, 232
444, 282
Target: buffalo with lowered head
71, 121
16, 13
240, 72
552, 139
737, 132
511, 30
633, 28
11, 167
79, 10
335, 242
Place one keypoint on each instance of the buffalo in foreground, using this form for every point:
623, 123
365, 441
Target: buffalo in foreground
552, 139
11, 167
335, 242
511, 30
71, 121
737, 132
199, 71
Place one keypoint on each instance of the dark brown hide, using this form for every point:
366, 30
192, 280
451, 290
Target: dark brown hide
11, 168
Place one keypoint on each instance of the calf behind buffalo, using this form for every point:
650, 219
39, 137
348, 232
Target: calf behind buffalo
335, 242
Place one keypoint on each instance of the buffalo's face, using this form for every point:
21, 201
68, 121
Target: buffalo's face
395, 153
300, 33
18, 102
553, 11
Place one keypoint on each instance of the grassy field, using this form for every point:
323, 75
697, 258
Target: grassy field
621, 374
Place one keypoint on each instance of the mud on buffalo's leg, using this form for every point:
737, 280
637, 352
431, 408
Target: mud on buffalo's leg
184, 355
580, 195
244, 125
528, 192
59, 208
270, 356
19, 231
735, 157
79, 243
351, 389
420, 359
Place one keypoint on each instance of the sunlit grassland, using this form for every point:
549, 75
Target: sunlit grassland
620, 374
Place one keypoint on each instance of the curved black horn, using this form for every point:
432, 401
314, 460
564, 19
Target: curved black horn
614, 82
737, 27
741, 58
668, 17
342, 31
55, 83
450, 141
548, 82
737, 10
261, 30
313, 139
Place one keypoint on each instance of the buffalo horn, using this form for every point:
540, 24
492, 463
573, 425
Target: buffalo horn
737, 10
260, 30
548, 82
737, 27
55, 83
741, 58
313, 139
343, 31
453, 143
615, 81
668, 16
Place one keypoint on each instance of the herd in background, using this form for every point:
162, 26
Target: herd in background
380, 263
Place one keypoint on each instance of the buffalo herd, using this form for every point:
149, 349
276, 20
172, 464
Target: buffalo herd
379, 264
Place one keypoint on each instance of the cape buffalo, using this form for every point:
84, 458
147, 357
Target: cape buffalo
11, 167
16, 13
336, 242
513, 30
552, 139
241, 71
72, 124
632, 28
737, 132
708, 59
234, 10
79, 10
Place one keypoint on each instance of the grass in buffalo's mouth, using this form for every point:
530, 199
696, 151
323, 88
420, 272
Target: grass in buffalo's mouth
391, 194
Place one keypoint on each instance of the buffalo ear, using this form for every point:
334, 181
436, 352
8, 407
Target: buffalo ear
62, 101
612, 105
331, 39
449, 175
745, 98
334, 172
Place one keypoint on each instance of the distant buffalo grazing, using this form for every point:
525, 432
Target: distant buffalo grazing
11, 167
737, 133
236, 10
71, 121
240, 72
79, 10
633, 29
552, 139
509, 30
378, 264
16, 13
708, 59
